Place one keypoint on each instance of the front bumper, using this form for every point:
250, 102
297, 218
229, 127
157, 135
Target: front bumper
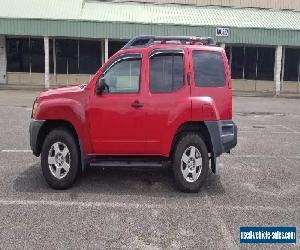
223, 136
34, 130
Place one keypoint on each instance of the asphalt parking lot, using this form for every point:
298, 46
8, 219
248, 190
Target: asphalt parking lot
258, 185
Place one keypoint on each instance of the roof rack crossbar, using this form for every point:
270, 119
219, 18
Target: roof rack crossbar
144, 41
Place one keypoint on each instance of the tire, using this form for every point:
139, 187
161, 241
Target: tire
190, 163
63, 165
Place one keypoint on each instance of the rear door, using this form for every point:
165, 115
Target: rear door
168, 98
210, 80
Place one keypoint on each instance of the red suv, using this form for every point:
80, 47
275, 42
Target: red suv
159, 101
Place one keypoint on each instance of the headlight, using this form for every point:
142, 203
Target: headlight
34, 109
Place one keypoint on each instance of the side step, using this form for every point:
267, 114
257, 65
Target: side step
126, 163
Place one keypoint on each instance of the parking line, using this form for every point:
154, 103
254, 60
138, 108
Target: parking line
84, 204
288, 128
16, 151
258, 208
102, 204
267, 128
263, 156
260, 132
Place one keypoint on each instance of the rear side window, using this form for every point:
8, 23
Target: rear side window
166, 72
208, 69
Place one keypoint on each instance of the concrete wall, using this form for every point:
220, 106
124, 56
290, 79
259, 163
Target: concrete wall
272, 4
253, 85
264, 86
290, 87
37, 79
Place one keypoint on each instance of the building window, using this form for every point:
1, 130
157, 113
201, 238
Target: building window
25, 55
265, 64
166, 72
237, 62
77, 56
72, 56
209, 69
89, 56
252, 63
66, 56
61, 58
51, 61
228, 54
115, 46
18, 55
291, 65
37, 55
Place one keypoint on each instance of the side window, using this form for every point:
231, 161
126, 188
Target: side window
209, 69
166, 72
124, 76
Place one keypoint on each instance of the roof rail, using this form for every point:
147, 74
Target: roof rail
145, 41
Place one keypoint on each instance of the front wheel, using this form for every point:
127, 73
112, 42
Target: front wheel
190, 163
60, 160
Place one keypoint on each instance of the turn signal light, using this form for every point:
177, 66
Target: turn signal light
34, 109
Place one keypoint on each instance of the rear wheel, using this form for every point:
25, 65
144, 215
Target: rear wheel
190, 163
60, 159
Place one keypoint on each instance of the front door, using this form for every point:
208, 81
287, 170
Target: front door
116, 116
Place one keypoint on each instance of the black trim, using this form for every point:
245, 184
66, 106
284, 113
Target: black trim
223, 136
34, 130
165, 51
121, 57
151, 158
132, 164
145, 41
127, 161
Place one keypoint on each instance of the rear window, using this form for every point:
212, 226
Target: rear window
166, 72
209, 69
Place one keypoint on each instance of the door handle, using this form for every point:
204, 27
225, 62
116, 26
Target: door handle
137, 104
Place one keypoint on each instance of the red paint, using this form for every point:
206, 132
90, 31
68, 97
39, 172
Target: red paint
109, 125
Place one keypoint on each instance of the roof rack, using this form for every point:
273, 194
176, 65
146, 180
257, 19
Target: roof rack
145, 41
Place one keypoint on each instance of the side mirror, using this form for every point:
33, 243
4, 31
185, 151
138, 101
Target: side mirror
100, 86
113, 81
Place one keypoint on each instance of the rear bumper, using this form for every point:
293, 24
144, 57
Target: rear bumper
34, 130
228, 135
223, 136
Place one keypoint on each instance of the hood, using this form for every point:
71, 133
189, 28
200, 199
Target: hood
63, 91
